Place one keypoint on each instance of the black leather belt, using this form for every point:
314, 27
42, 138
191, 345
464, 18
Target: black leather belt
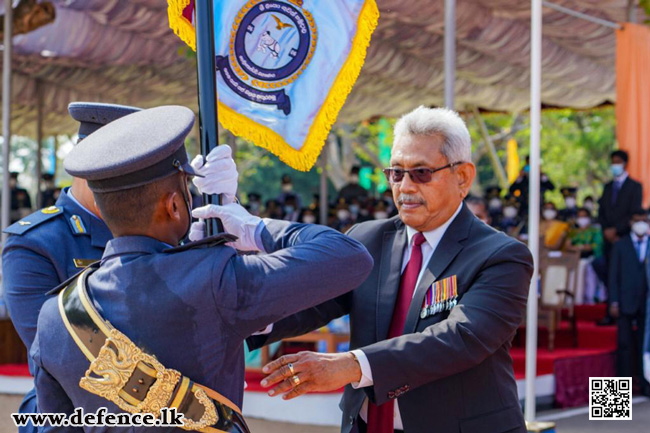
134, 380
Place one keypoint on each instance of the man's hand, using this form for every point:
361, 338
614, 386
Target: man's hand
610, 234
219, 171
614, 310
314, 372
236, 221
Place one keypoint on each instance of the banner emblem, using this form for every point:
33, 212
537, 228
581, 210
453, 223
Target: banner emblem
284, 68
271, 44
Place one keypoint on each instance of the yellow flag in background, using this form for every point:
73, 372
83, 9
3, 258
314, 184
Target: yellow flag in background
512, 166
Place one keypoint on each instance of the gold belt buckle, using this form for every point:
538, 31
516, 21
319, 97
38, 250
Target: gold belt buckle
113, 367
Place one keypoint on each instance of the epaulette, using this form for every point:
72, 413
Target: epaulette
36, 218
211, 241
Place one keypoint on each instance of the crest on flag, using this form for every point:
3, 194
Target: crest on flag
284, 67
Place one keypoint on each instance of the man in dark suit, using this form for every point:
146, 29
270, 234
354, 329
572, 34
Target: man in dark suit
433, 323
628, 286
621, 197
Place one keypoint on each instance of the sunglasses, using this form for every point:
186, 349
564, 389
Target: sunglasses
417, 175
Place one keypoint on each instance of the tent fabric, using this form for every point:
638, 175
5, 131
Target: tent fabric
123, 51
633, 101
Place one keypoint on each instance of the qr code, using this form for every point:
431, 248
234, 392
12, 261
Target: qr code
610, 398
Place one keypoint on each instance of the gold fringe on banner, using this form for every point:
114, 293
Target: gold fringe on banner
262, 136
179, 24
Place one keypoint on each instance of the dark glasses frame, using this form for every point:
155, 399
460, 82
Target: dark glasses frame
417, 175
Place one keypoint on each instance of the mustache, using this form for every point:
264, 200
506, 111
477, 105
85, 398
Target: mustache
409, 198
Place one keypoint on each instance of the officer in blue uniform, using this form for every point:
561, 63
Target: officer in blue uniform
156, 324
51, 245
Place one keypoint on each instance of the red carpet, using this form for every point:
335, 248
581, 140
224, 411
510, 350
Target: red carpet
572, 366
14, 370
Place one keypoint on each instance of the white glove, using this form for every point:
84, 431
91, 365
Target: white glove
197, 231
646, 366
219, 171
236, 221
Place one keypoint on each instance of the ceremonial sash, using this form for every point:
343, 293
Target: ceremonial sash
134, 380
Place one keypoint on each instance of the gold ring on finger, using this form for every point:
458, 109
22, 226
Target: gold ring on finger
295, 379
290, 367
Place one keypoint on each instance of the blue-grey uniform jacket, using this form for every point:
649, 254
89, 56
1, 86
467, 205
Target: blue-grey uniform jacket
193, 309
43, 250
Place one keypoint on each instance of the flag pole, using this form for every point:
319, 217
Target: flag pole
207, 90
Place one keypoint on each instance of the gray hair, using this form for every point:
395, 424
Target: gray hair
431, 121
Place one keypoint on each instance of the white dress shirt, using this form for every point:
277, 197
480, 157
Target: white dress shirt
643, 247
433, 238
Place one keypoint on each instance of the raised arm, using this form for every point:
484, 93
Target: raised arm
304, 266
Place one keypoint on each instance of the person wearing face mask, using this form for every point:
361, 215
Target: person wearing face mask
288, 192
254, 206
588, 241
554, 231
495, 205
343, 217
380, 211
352, 190
308, 216
155, 314
510, 222
570, 211
628, 288
589, 204
291, 211
621, 197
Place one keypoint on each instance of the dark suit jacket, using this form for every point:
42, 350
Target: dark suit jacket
619, 214
627, 277
451, 371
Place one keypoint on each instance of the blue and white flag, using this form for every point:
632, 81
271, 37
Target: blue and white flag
284, 67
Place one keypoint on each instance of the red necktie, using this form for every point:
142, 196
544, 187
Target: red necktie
380, 418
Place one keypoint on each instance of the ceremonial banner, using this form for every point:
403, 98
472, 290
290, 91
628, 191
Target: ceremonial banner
284, 67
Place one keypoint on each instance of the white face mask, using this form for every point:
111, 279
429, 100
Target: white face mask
510, 212
379, 215
495, 203
549, 214
570, 202
589, 205
583, 222
309, 219
287, 187
640, 228
354, 208
343, 214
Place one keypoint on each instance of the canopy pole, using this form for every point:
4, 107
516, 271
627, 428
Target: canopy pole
6, 115
39, 143
581, 15
450, 53
494, 157
322, 207
533, 201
